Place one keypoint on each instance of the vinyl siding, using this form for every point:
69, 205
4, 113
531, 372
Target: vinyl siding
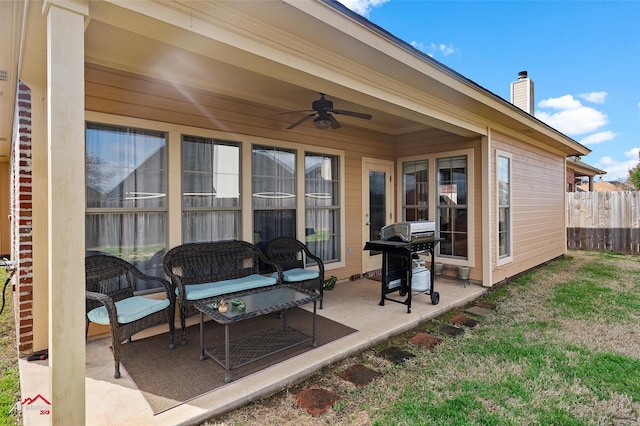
538, 206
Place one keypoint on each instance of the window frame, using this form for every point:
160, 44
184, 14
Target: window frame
432, 161
189, 209
174, 176
134, 212
417, 206
332, 208
438, 206
507, 258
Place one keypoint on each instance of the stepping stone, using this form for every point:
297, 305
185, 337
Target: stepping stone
395, 355
359, 375
460, 319
426, 340
449, 330
486, 305
316, 401
477, 310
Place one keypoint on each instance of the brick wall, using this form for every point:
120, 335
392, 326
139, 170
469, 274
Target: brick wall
571, 180
21, 215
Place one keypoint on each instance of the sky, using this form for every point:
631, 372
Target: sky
583, 57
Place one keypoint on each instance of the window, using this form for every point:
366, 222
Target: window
126, 194
322, 205
273, 172
415, 185
452, 208
210, 190
504, 205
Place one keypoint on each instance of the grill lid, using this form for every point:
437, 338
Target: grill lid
409, 231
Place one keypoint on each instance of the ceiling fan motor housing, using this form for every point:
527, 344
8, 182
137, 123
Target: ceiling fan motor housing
322, 108
322, 105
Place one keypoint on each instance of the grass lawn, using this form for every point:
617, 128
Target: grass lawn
9, 377
562, 348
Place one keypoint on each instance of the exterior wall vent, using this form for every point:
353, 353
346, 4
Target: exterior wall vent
4, 75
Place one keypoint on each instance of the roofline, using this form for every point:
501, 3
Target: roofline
585, 168
442, 67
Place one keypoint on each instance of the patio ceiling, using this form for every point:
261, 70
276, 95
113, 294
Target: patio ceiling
181, 67
189, 59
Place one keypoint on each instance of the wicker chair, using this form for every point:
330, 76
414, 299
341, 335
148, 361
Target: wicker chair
292, 256
204, 269
110, 301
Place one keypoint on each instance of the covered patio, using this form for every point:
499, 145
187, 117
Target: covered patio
134, 94
351, 303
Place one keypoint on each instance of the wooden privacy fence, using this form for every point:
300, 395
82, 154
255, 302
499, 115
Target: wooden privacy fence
604, 221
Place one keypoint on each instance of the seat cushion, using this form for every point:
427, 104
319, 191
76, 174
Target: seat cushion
129, 310
296, 275
218, 288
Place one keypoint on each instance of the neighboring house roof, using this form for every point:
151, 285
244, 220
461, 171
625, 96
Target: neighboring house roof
581, 169
605, 187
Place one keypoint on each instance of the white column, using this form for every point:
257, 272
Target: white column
488, 207
66, 205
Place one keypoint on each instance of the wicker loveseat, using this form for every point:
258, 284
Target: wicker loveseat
110, 301
219, 268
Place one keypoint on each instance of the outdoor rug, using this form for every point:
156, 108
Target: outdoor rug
168, 378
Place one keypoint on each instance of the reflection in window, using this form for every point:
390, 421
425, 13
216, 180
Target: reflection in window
273, 174
452, 206
415, 190
504, 207
377, 204
210, 189
125, 167
125, 170
322, 205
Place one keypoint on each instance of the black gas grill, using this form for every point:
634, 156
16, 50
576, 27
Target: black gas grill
400, 245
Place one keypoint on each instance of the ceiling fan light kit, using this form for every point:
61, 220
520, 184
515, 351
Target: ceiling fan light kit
321, 123
324, 120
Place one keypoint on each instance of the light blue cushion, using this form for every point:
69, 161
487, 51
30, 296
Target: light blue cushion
202, 291
298, 274
129, 310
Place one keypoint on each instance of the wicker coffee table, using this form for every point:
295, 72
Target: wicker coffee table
243, 350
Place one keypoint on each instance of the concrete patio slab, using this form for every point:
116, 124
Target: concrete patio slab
353, 303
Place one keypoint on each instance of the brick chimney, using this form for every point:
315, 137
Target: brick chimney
522, 92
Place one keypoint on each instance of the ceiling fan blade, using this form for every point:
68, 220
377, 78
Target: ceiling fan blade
294, 112
352, 114
303, 119
334, 122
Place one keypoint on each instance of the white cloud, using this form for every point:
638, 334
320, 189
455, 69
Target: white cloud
569, 116
575, 121
445, 49
598, 137
619, 171
363, 7
434, 48
563, 102
594, 97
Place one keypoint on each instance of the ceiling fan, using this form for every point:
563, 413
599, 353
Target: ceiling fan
322, 108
